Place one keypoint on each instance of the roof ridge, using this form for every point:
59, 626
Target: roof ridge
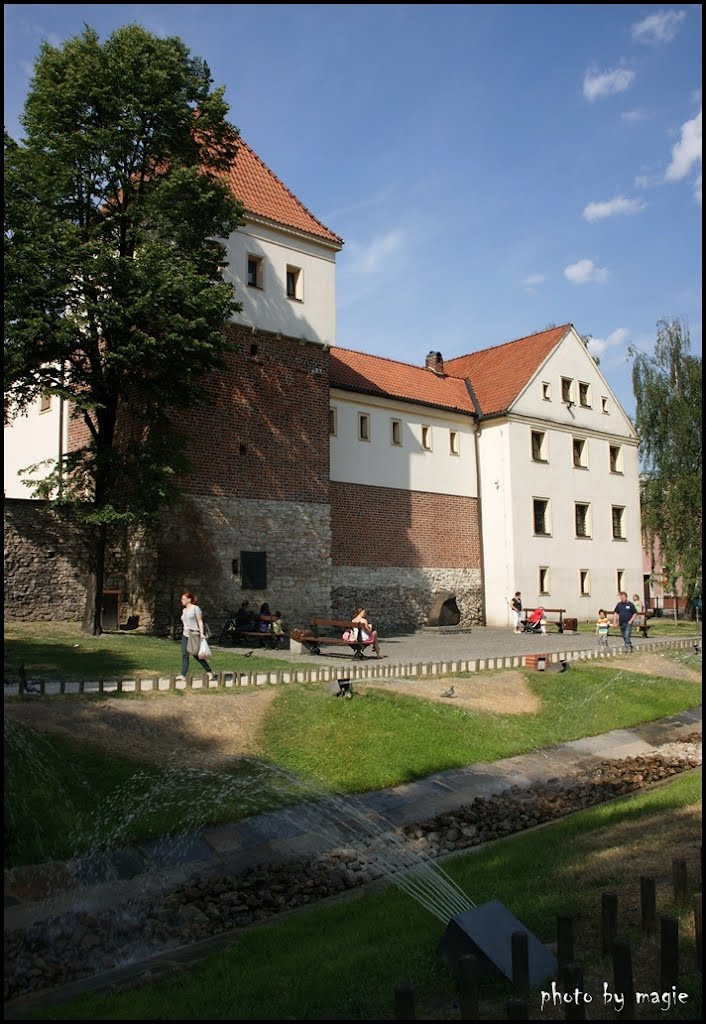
386, 359
241, 141
513, 341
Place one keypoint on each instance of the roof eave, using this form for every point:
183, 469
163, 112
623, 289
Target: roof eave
335, 243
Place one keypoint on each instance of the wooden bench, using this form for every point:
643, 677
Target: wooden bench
312, 640
270, 640
559, 622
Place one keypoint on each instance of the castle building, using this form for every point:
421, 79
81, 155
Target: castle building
324, 477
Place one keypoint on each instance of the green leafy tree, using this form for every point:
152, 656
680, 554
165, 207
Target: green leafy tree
667, 388
116, 208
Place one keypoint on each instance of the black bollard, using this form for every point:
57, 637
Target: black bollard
681, 896
575, 1009
622, 976
404, 1001
648, 904
468, 987
520, 963
609, 921
668, 952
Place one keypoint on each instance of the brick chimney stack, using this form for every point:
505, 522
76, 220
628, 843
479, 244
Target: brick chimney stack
435, 363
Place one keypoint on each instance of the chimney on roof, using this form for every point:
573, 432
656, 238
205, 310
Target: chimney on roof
435, 363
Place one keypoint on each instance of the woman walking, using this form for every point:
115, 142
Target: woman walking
192, 635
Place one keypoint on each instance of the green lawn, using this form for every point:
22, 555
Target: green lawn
341, 961
62, 651
63, 797
662, 627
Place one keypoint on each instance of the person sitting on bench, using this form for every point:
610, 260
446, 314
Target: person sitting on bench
366, 633
265, 619
245, 618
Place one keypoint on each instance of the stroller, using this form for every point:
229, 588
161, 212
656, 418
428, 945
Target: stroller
534, 624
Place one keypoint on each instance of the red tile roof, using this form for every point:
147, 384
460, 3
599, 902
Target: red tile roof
263, 194
374, 375
499, 374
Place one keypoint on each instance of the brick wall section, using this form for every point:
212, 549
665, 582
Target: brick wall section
383, 526
263, 431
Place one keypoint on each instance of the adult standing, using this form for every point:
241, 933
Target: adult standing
193, 633
516, 609
624, 614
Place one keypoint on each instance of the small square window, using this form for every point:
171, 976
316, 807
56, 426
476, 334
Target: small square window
585, 582
584, 395
618, 517
426, 438
540, 512
616, 458
544, 579
363, 426
546, 391
582, 519
538, 441
567, 390
580, 453
332, 421
454, 442
45, 403
255, 271
605, 405
396, 432
295, 283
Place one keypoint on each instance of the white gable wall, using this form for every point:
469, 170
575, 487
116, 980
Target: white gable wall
312, 317
377, 462
512, 480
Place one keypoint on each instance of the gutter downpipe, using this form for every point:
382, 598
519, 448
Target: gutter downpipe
478, 416
60, 486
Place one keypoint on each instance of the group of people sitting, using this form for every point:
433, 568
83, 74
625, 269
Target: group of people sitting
264, 621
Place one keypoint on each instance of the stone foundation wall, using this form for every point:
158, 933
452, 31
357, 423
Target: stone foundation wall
200, 540
398, 600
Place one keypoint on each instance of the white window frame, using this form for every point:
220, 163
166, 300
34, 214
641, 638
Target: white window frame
547, 518
297, 295
584, 582
544, 580
454, 443
546, 391
396, 433
567, 388
259, 262
585, 392
583, 454
364, 426
605, 405
427, 444
620, 577
589, 531
543, 446
618, 460
623, 532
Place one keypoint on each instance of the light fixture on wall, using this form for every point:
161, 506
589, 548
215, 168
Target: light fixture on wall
570, 404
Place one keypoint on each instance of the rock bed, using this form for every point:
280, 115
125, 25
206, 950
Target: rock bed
53, 952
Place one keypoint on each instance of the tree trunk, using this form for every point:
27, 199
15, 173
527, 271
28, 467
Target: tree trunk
94, 588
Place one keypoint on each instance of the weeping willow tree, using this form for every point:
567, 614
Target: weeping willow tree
667, 386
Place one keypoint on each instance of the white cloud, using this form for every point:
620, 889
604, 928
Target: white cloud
606, 83
661, 27
584, 272
533, 279
598, 346
634, 115
697, 190
612, 207
368, 258
687, 152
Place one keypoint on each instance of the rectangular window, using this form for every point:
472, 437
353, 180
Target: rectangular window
618, 516
295, 284
580, 453
546, 391
539, 446
582, 519
540, 510
584, 395
332, 421
426, 438
45, 403
454, 442
605, 405
616, 458
543, 580
255, 271
395, 432
567, 390
363, 426
620, 581
253, 570
584, 582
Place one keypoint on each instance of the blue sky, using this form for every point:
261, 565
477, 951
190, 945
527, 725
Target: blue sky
493, 169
